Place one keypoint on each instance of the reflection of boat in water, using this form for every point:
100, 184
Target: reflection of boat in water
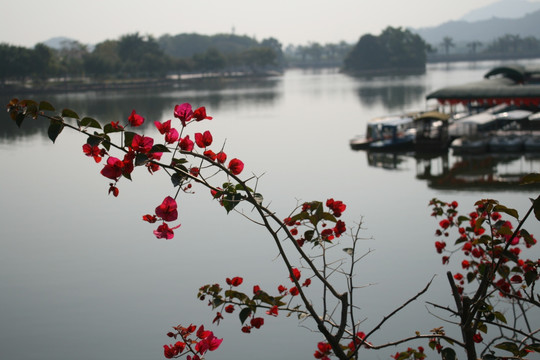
394, 132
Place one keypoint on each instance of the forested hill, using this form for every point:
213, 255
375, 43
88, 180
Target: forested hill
484, 31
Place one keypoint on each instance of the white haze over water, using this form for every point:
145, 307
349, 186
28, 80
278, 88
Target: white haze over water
291, 22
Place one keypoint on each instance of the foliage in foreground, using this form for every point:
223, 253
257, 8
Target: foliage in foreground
494, 294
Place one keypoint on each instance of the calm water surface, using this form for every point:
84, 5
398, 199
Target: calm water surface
81, 277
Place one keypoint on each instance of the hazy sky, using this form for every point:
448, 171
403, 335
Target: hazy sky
290, 21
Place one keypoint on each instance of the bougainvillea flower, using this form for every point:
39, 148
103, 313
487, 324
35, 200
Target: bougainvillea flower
477, 338
340, 228
195, 171
150, 218
128, 163
135, 119
200, 114
235, 281
445, 223
217, 318
165, 232
210, 154
229, 309
256, 289
93, 151
209, 343
337, 207
359, 339
142, 144
202, 333
114, 190
306, 283
273, 311
327, 234
246, 329
186, 144
168, 209
172, 136
294, 291
440, 245
236, 166
203, 140
113, 169
116, 125
281, 289
163, 128
183, 112
295, 274
221, 157
257, 322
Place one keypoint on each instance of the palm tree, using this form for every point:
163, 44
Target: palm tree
447, 43
474, 45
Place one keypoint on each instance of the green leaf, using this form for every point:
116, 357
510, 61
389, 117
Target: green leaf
231, 200
177, 161
94, 140
499, 316
448, 354
533, 347
128, 138
482, 327
504, 209
308, 235
141, 159
45, 106
536, 207
530, 179
89, 122
19, 119
527, 237
530, 277
177, 179
55, 128
108, 128
70, 114
159, 148
508, 346
244, 314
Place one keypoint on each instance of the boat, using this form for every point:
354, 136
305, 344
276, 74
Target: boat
470, 145
431, 132
503, 143
532, 143
391, 132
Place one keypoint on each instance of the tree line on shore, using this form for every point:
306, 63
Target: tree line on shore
135, 56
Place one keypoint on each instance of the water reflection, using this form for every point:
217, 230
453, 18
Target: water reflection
393, 95
153, 104
489, 172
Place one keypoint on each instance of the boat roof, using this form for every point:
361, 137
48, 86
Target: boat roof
511, 84
391, 120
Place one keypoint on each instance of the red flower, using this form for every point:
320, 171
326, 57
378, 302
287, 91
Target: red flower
465, 264
202, 334
194, 171
246, 329
168, 209
116, 126
458, 276
295, 274
171, 351
114, 190
337, 207
200, 114
142, 144
172, 136
306, 283
340, 228
281, 289
257, 322
210, 154
229, 309
135, 119
93, 151
294, 291
183, 112
236, 166
150, 218
221, 157
163, 128
440, 245
294, 232
113, 169
256, 289
186, 144
273, 311
445, 223
235, 281
327, 234
217, 318
209, 343
165, 232
477, 338
203, 140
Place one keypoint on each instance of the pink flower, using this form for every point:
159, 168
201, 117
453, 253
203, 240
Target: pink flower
93, 151
172, 136
135, 119
142, 144
236, 166
183, 112
168, 209
163, 128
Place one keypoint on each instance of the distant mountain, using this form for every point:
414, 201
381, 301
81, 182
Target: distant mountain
484, 30
57, 42
505, 9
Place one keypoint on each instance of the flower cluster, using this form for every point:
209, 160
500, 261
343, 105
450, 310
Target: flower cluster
484, 238
195, 342
313, 214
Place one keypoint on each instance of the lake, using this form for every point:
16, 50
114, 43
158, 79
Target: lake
82, 277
